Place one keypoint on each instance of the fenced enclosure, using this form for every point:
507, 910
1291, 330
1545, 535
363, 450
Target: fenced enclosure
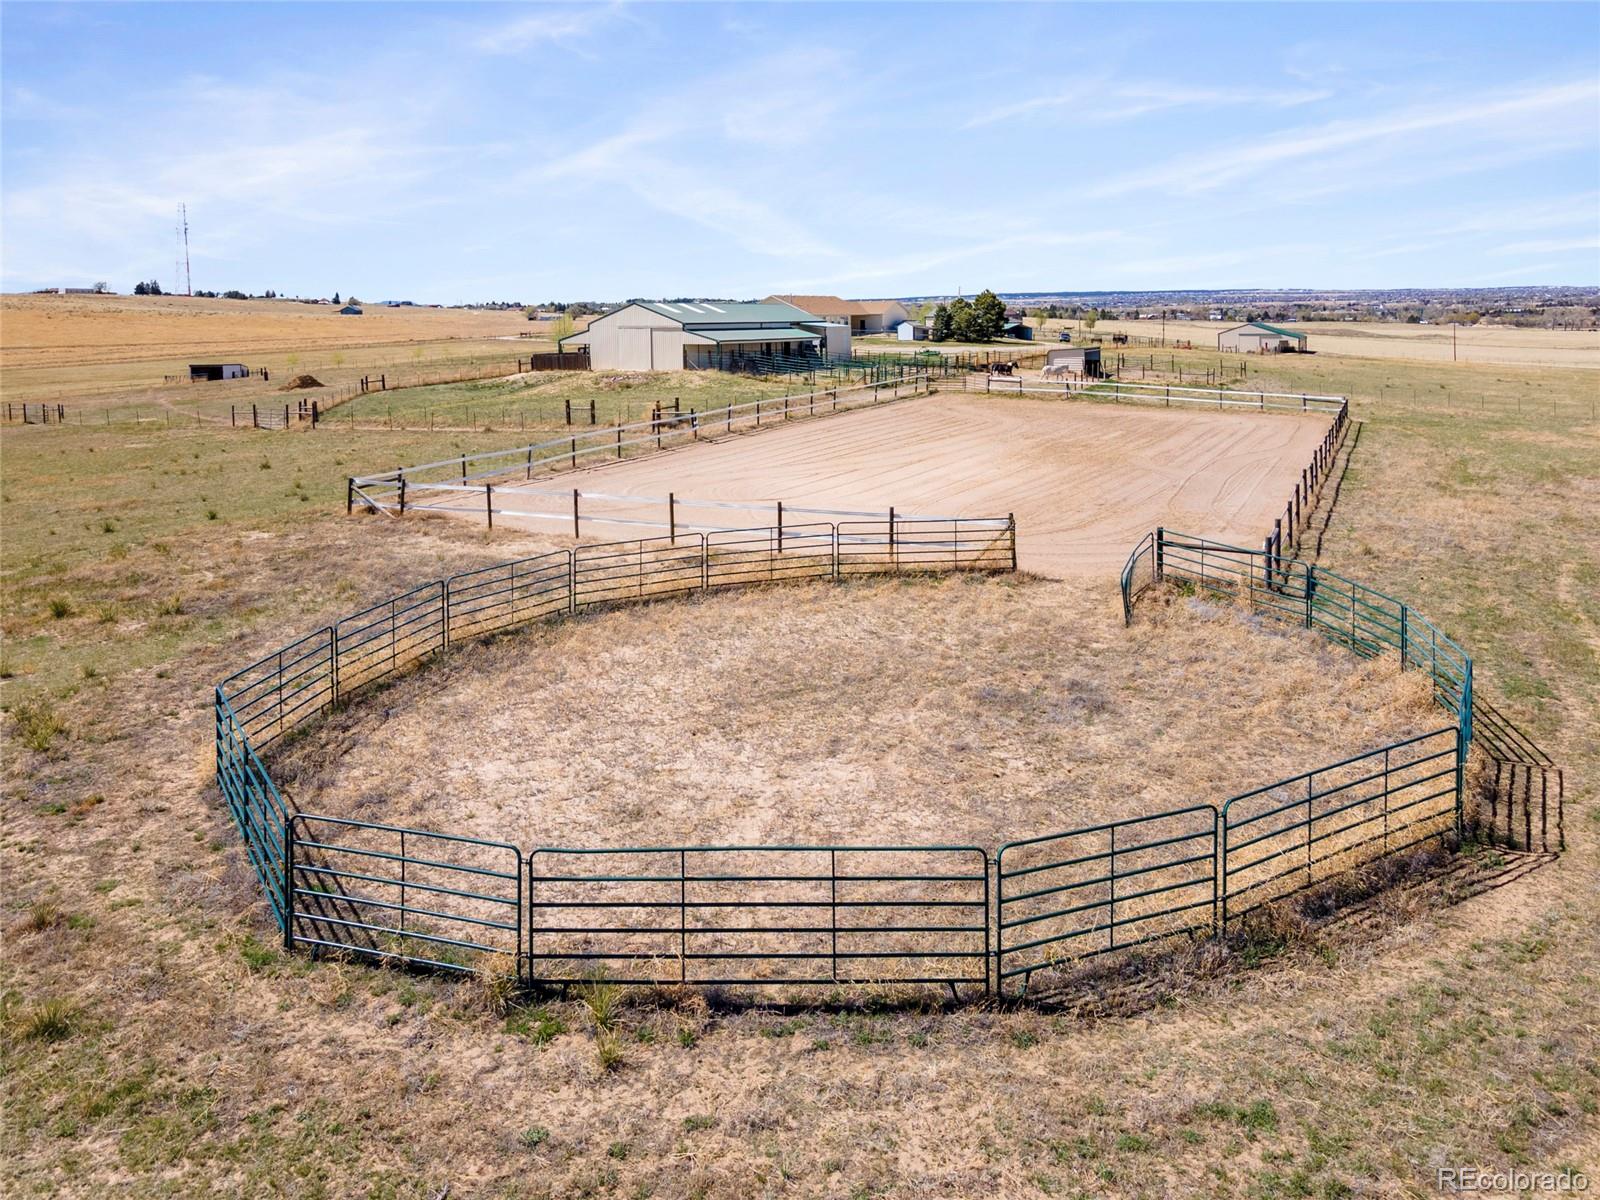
395, 491
918, 916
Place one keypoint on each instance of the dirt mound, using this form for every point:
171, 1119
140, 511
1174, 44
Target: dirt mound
300, 382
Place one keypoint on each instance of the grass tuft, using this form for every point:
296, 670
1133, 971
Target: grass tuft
51, 1020
38, 724
604, 1002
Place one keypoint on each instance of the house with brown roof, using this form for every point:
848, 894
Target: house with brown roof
864, 317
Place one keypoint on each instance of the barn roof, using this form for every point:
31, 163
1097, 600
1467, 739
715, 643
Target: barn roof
1289, 333
782, 333
726, 312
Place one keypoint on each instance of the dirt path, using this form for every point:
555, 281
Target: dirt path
1085, 481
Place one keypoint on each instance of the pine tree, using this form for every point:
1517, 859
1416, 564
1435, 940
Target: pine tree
988, 316
943, 329
961, 322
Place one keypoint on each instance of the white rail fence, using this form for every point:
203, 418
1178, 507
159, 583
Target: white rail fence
1151, 393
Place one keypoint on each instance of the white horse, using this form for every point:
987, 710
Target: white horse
1056, 371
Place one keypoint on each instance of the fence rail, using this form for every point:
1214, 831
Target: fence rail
395, 491
760, 915
1219, 399
839, 915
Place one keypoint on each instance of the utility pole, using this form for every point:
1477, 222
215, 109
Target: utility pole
1452, 341
188, 280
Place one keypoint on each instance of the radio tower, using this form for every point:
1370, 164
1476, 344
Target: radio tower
183, 224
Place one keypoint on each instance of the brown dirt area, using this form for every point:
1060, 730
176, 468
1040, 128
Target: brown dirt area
1085, 481
970, 710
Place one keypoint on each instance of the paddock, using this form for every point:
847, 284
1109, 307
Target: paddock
1085, 480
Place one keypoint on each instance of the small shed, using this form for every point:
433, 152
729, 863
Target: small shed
349, 310
911, 331
1258, 338
1020, 330
1081, 360
210, 371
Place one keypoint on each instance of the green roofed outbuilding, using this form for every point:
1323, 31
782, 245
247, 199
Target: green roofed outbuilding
1257, 337
674, 335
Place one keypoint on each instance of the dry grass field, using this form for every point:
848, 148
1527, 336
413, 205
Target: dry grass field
71, 331
1481, 344
105, 355
157, 1043
970, 710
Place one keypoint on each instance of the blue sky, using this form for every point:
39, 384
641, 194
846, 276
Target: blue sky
462, 152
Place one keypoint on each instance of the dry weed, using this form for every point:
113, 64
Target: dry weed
492, 988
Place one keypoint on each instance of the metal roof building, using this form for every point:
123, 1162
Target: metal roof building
1256, 337
661, 335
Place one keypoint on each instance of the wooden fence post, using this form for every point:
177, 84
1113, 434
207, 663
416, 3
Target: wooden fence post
575, 512
488, 502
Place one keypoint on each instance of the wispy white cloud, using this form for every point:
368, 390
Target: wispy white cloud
694, 155
255, 164
1532, 113
889, 269
545, 25
1104, 100
1549, 246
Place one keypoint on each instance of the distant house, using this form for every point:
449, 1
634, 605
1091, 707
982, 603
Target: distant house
211, 371
1017, 329
661, 335
862, 317
349, 310
911, 331
1258, 338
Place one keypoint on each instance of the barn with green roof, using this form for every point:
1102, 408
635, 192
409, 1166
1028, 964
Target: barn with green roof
1257, 337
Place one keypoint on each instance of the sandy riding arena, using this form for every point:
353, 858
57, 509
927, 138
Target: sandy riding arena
1084, 480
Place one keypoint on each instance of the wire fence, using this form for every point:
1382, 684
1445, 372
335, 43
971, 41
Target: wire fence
917, 916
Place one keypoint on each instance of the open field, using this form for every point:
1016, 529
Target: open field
537, 400
1500, 344
55, 331
1085, 481
968, 710
96, 353
186, 1055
